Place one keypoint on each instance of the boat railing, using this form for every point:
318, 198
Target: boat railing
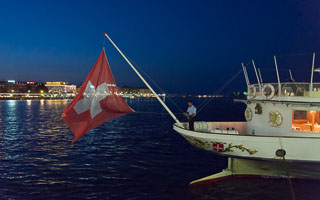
287, 89
235, 128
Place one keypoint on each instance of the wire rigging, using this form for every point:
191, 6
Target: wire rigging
155, 84
204, 104
201, 106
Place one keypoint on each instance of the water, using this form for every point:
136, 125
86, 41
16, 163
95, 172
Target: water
137, 156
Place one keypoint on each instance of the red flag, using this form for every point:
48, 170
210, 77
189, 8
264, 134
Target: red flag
98, 101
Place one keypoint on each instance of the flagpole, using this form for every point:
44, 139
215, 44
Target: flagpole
145, 82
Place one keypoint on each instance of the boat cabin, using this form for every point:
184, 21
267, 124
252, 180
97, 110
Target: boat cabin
290, 109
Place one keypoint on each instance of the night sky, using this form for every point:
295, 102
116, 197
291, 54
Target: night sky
184, 46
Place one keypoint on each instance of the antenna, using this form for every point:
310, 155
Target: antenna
291, 78
254, 66
260, 76
245, 74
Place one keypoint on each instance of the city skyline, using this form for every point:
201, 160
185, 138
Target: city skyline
184, 46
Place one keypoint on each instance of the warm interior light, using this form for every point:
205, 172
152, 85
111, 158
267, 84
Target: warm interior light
306, 121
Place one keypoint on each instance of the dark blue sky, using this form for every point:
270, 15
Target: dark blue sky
185, 46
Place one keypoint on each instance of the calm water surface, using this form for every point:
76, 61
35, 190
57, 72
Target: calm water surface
137, 156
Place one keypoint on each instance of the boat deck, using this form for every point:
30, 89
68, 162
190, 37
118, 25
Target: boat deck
234, 128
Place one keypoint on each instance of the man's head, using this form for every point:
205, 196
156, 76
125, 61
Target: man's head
189, 103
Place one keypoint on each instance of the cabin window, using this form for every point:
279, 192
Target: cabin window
300, 115
306, 120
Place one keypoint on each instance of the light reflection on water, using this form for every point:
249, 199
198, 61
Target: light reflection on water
131, 157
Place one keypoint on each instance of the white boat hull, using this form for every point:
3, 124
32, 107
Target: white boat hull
255, 147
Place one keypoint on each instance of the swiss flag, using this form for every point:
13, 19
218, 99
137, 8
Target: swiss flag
97, 101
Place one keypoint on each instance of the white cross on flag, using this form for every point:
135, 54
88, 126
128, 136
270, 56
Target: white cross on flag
97, 101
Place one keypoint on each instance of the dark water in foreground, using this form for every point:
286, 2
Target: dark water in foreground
137, 156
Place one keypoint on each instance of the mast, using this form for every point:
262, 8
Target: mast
311, 81
279, 84
145, 82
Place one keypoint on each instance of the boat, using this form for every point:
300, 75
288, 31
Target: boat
279, 139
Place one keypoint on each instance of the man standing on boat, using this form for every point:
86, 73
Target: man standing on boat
190, 114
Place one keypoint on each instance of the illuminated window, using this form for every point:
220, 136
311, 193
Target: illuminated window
306, 120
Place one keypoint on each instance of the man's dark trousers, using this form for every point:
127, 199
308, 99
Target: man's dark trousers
191, 123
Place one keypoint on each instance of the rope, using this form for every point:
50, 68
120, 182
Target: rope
155, 84
219, 89
203, 105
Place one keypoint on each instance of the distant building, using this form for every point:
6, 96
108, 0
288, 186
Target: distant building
137, 92
128, 90
11, 86
145, 91
61, 88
